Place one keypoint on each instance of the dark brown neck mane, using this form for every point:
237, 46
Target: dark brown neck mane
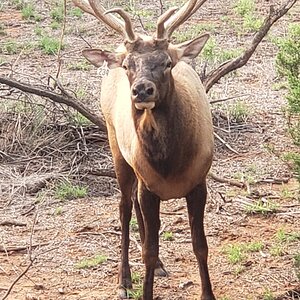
161, 133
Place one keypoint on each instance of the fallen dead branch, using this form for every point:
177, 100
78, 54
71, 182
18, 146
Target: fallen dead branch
98, 172
12, 223
215, 75
29, 184
227, 181
64, 97
225, 143
273, 180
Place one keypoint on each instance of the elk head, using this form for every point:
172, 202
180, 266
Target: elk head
147, 61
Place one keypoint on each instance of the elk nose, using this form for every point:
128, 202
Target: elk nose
142, 91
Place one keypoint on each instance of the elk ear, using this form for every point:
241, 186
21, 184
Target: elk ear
97, 57
191, 49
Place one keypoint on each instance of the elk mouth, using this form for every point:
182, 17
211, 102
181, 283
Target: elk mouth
144, 94
144, 105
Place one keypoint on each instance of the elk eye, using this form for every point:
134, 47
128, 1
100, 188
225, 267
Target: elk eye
124, 67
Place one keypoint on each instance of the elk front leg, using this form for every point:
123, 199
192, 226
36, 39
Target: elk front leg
126, 179
125, 282
159, 269
196, 200
150, 204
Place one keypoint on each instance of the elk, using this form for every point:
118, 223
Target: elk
160, 133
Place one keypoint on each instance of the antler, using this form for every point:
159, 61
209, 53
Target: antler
168, 21
128, 24
95, 8
161, 31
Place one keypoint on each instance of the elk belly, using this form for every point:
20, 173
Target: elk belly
173, 186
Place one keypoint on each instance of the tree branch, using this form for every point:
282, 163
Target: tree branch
64, 98
215, 75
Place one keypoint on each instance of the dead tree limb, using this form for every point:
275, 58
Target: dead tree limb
64, 98
226, 181
215, 75
11, 223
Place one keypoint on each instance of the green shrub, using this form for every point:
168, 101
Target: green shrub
66, 190
28, 12
288, 66
9, 47
91, 262
244, 7
57, 14
49, 45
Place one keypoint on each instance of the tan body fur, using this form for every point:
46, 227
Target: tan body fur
194, 107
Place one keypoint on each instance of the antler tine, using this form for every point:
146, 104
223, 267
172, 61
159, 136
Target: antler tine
94, 8
85, 6
182, 15
161, 31
128, 24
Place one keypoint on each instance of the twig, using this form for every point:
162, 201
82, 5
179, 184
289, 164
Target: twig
12, 223
15, 63
228, 181
273, 180
59, 98
61, 39
215, 75
31, 261
18, 278
142, 24
31, 235
161, 7
226, 99
171, 213
99, 172
225, 143
25, 271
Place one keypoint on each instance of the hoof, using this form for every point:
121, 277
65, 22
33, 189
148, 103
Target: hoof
124, 289
123, 293
160, 270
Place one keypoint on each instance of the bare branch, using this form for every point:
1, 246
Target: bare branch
229, 66
17, 279
226, 181
21, 247
12, 223
59, 60
161, 7
225, 143
64, 98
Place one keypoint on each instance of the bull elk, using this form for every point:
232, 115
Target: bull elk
160, 132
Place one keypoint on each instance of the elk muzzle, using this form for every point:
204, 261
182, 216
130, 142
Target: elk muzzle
144, 94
